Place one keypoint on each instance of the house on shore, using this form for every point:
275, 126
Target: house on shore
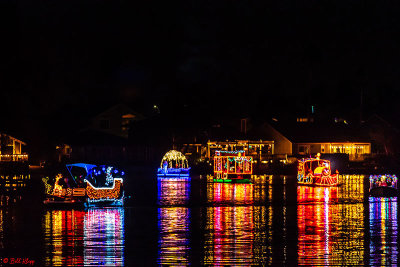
12, 158
312, 138
115, 121
357, 151
273, 140
104, 140
11, 149
230, 136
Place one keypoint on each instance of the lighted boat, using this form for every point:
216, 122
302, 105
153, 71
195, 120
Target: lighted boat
316, 171
383, 185
232, 166
174, 165
86, 185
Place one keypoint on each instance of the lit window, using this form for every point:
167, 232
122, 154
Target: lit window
302, 119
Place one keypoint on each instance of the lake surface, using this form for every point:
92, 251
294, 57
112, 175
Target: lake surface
191, 222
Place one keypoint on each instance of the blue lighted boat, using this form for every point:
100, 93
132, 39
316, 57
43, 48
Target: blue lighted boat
174, 164
86, 185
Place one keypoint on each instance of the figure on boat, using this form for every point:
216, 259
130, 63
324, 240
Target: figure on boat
316, 171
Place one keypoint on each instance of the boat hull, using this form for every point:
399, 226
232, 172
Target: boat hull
63, 203
173, 172
383, 191
105, 203
311, 180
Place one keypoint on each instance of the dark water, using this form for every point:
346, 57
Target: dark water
192, 222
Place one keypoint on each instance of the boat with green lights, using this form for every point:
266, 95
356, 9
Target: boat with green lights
232, 167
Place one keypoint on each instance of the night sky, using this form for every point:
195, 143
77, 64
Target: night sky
65, 61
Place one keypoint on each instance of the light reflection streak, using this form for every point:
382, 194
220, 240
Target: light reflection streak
63, 237
1, 229
330, 223
235, 228
104, 239
173, 191
313, 224
78, 237
383, 231
173, 222
235, 194
14, 182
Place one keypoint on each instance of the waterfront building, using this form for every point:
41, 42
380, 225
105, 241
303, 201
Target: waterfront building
11, 149
357, 151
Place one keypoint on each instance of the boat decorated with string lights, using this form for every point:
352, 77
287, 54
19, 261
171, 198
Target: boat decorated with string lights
316, 171
383, 185
232, 166
86, 185
174, 165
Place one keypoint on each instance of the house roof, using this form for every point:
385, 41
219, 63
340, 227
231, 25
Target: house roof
322, 133
15, 139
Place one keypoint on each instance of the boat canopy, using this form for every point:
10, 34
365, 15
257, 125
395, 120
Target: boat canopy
174, 159
86, 166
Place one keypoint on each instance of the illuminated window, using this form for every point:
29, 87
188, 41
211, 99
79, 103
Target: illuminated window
302, 119
126, 121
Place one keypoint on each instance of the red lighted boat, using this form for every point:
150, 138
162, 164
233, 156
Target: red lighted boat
316, 171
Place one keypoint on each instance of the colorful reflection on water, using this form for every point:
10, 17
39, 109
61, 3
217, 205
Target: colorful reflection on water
64, 237
236, 194
330, 229
104, 239
173, 222
91, 237
173, 191
1, 229
383, 247
14, 182
269, 222
314, 217
234, 234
